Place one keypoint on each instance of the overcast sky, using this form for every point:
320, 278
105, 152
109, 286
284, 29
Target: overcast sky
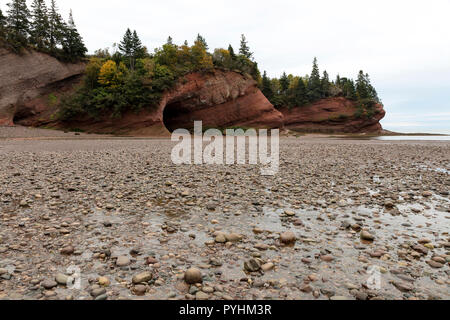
403, 44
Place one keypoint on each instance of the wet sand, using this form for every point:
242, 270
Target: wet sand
110, 209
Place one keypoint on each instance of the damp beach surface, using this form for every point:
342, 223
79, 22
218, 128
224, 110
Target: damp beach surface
91, 217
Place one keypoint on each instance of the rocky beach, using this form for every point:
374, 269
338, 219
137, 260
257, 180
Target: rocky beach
87, 217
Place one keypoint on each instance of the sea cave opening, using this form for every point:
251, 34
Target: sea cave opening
178, 116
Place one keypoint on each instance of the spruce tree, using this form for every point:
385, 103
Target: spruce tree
126, 46
138, 48
284, 83
131, 47
231, 51
202, 42
73, 45
2, 26
244, 49
362, 87
266, 86
300, 94
349, 89
57, 27
314, 83
40, 24
325, 85
338, 81
18, 23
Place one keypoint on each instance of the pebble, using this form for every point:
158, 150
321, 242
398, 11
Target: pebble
142, 277
252, 265
288, 238
123, 261
193, 276
49, 284
365, 235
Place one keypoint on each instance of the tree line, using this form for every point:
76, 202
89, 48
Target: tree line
41, 28
131, 78
295, 91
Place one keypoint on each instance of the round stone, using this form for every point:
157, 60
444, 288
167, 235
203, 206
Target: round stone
288, 237
193, 276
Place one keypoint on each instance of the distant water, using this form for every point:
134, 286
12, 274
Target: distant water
423, 138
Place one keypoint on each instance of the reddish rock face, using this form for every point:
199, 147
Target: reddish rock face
332, 115
29, 85
220, 99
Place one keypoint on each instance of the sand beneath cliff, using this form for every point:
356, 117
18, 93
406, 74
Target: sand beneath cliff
109, 211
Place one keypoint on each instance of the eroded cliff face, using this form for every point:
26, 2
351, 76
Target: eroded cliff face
332, 115
29, 76
31, 85
220, 99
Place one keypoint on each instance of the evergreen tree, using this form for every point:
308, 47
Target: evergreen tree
325, 85
138, 48
40, 24
73, 45
202, 42
338, 81
2, 26
348, 88
314, 83
131, 48
18, 23
244, 49
126, 46
362, 86
56, 27
300, 94
373, 93
266, 86
231, 51
284, 83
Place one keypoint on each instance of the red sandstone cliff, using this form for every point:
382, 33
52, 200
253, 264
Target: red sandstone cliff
219, 98
30, 85
332, 115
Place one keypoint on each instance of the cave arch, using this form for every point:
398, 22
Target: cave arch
179, 115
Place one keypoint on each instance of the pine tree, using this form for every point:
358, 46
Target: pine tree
338, 81
202, 41
18, 23
73, 45
40, 24
348, 87
325, 85
244, 49
56, 27
266, 86
362, 87
126, 46
300, 94
314, 83
131, 47
231, 51
284, 83
2, 26
138, 48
